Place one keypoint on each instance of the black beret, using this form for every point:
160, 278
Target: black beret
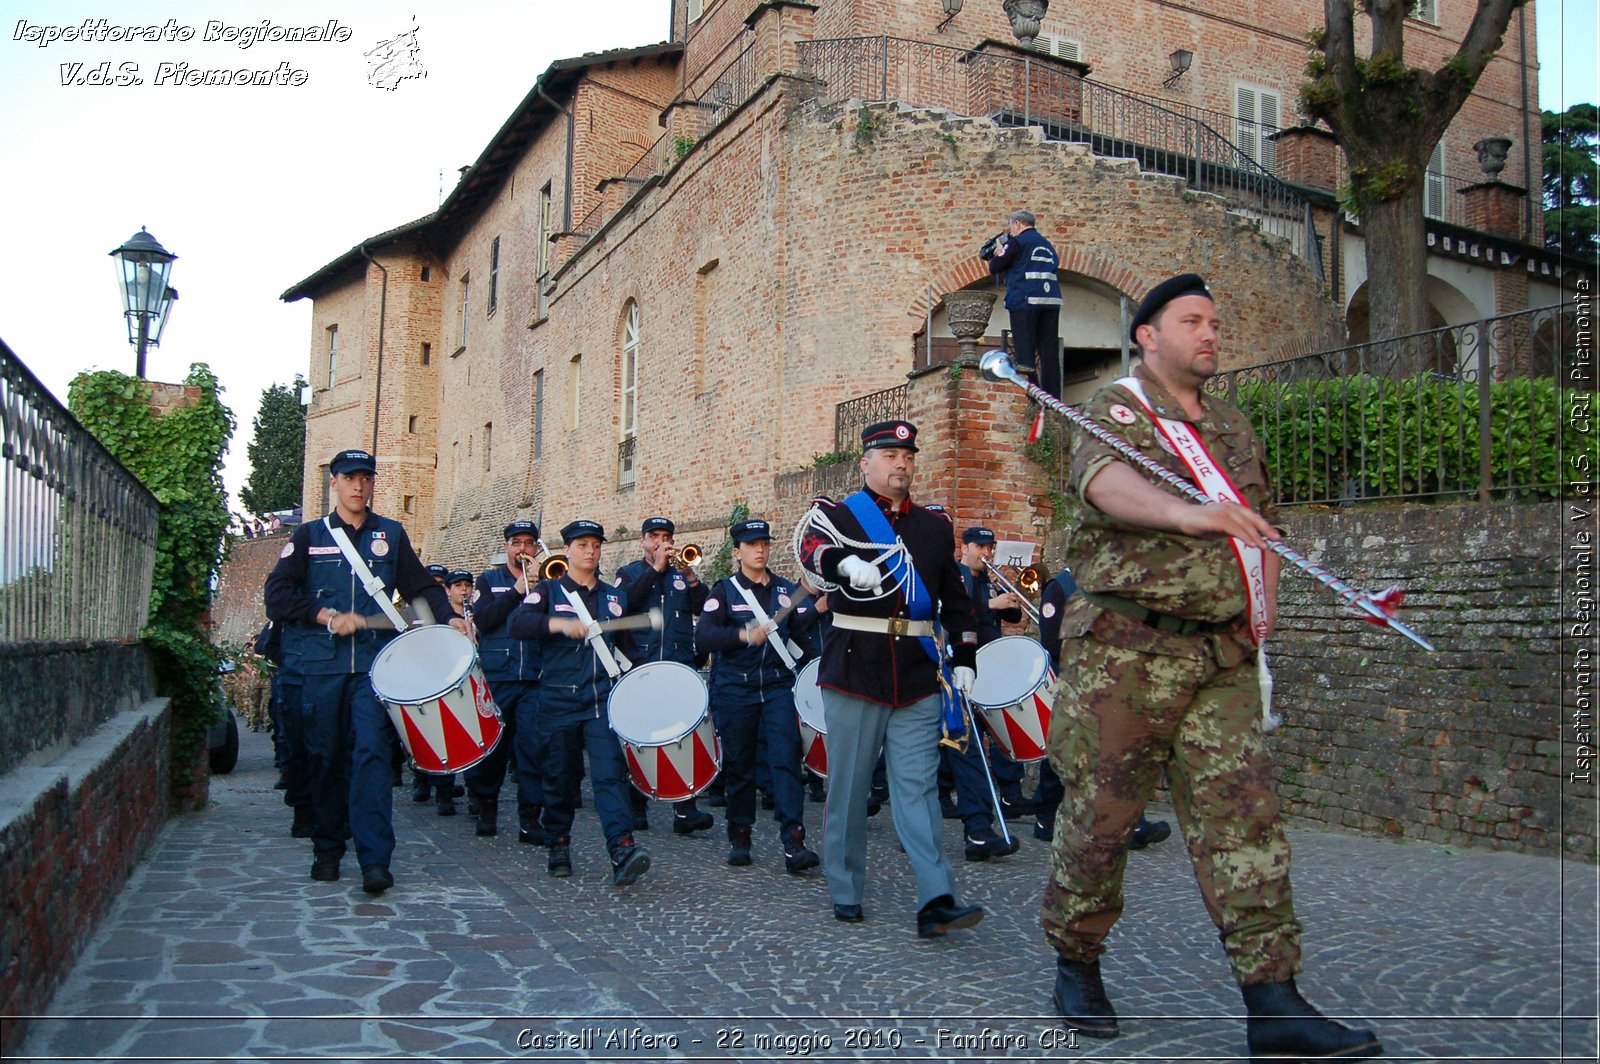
657, 524
351, 461
1185, 284
522, 528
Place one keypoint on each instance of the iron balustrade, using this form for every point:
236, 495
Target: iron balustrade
853, 415
627, 466
1025, 91
77, 530
1471, 411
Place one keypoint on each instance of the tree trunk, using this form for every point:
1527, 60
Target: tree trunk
1397, 263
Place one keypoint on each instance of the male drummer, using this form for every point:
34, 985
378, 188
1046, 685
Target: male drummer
579, 669
653, 582
752, 688
330, 637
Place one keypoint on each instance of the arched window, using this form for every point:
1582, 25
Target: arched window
628, 419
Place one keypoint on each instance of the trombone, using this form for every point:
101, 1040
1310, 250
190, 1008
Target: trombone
552, 566
1024, 585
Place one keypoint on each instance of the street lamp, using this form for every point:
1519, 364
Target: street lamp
143, 269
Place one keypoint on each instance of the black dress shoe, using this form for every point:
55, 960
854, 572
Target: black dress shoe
376, 878
943, 914
1016, 806
689, 823
1147, 832
1081, 999
850, 914
1281, 1023
325, 869
985, 843
1044, 829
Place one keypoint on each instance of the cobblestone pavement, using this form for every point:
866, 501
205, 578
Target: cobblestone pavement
221, 948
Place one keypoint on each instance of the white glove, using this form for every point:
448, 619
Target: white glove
963, 678
862, 574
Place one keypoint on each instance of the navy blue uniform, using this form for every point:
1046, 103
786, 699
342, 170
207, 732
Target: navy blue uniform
679, 602
752, 691
350, 743
1033, 300
511, 666
573, 690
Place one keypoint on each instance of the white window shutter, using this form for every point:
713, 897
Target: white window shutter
1268, 110
695, 8
1433, 184
1244, 125
1427, 11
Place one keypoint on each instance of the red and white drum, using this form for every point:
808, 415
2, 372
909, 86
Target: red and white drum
429, 680
1014, 694
658, 711
813, 730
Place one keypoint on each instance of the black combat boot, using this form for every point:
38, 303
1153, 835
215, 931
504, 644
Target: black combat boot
488, 816
560, 863
1281, 1023
798, 857
1081, 999
688, 818
531, 829
421, 787
1147, 832
640, 806
738, 845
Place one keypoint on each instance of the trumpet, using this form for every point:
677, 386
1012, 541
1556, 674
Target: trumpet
685, 557
554, 567
1023, 586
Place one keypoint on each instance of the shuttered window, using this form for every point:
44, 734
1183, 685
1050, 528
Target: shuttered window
1433, 184
1255, 119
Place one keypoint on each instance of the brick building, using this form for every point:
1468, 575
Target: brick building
660, 280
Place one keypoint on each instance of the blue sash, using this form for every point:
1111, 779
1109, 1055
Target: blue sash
919, 604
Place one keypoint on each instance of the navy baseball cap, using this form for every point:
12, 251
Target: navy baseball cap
889, 434
351, 462
457, 576
438, 572
1185, 284
579, 529
978, 534
522, 528
748, 531
658, 524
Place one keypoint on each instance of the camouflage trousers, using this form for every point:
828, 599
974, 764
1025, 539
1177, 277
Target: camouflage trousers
1122, 716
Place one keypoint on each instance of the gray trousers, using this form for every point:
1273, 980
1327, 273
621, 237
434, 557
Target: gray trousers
909, 738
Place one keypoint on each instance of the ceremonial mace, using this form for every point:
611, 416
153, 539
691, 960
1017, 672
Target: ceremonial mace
1380, 608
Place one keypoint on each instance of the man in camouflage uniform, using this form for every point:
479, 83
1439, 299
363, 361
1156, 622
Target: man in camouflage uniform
1158, 674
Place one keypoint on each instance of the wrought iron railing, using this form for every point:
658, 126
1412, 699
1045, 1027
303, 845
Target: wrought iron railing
737, 82
1473, 411
1021, 90
853, 415
627, 462
77, 530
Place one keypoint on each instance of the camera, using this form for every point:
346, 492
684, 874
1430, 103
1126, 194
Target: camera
990, 246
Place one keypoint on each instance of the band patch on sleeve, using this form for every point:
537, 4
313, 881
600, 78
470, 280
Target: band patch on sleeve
712, 605
288, 549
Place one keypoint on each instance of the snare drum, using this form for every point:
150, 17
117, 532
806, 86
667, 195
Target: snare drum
813, 729
1014, 693
429, 680
658, 711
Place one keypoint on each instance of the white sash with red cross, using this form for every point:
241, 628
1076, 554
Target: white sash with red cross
1209, 477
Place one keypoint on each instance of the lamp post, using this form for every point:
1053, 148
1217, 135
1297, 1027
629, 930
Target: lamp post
143, 269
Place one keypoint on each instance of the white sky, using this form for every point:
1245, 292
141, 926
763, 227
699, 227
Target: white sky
254, 188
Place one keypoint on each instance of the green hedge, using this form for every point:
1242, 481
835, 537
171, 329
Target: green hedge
1366, 436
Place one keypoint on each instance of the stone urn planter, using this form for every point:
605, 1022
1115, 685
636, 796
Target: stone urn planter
968, 312
1492, 154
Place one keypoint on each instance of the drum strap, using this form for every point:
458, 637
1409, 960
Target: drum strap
596, 638
372, 584
776, 642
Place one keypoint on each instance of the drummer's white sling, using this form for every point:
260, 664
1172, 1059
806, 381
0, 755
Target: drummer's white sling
776, 642
597, 641
372, 584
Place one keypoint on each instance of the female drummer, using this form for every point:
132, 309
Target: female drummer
752, 689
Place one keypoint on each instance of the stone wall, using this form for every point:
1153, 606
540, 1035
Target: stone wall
238, 609
71, 832
55, 694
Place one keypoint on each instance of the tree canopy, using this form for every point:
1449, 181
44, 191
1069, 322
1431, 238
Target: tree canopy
1572, 181
277, 451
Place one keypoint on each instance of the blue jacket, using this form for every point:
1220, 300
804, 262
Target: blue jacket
741, 673
573, 685
1029, 264
502, 656
981, 589
312, 574
678, 602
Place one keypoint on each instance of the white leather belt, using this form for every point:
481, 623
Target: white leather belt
884, 625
